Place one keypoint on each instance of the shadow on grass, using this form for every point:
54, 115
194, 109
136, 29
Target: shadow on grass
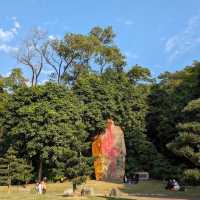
103, 197
154, 189
115, 198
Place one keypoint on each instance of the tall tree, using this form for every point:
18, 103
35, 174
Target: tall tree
167, 99
187, 143
112, 95
15, 80
108, 55
70, 56
13, 169
44, 125
30, 54
139, 74
78, 53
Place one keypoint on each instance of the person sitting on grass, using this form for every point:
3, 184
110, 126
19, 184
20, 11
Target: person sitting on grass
172, 185
169, 185
176, 186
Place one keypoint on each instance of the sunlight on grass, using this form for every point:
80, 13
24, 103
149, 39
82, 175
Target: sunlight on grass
140, 191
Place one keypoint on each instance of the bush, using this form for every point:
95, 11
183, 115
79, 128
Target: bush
192, 176
162, 168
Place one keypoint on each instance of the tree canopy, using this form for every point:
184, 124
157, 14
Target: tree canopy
48, 127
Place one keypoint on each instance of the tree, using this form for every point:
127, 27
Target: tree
107, 55
139, 74
13, 169
78, 53
4, 97
44, 124
187, 143
14, 80
80, 168
167, 99
8, 85
31, 54
105, 35
112, 95
54, 59
70, 56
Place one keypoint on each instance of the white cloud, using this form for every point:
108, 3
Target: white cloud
6, 36
8, 49
44, 81
6, 74
131, 55
17, 24
184, 41
52, 37
128, 22
47, 71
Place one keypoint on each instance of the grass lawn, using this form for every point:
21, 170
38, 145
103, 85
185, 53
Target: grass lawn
149, 190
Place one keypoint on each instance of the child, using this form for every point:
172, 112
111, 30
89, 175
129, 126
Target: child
44, 187
40, 188
37, 187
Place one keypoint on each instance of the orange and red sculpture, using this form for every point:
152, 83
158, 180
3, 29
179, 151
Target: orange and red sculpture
109, 151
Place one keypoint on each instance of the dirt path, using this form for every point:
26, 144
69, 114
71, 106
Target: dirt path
161, 198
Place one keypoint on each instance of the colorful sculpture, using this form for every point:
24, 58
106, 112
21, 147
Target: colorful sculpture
109, 151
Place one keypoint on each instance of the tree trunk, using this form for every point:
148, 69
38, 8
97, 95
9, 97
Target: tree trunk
32, 80
74, 187
40, 170
59, 74
32, 77
9, 178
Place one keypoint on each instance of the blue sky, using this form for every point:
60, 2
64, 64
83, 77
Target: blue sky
163, 35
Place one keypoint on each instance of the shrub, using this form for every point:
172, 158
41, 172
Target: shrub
162, 168
192, 176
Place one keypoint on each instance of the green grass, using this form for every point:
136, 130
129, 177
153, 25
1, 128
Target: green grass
143, 190
157, 188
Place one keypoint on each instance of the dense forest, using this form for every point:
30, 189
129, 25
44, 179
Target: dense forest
47, 128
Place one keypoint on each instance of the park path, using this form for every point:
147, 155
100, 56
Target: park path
161, 198
156, 197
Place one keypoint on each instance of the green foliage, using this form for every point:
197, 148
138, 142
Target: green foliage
52, 125
13, 169
14, 80
112, 95
138, 73
105, 35
81, 169
187, 144
192, 176
164, 168
44, 125
167, 100
78, 53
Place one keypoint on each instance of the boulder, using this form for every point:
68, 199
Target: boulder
109, 151
86, 191
68, 193
114, 192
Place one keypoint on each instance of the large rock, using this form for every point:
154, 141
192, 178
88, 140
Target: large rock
114, 192
109, 151
68, 193
87, 191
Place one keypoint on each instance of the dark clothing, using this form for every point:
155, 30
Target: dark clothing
169, 185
